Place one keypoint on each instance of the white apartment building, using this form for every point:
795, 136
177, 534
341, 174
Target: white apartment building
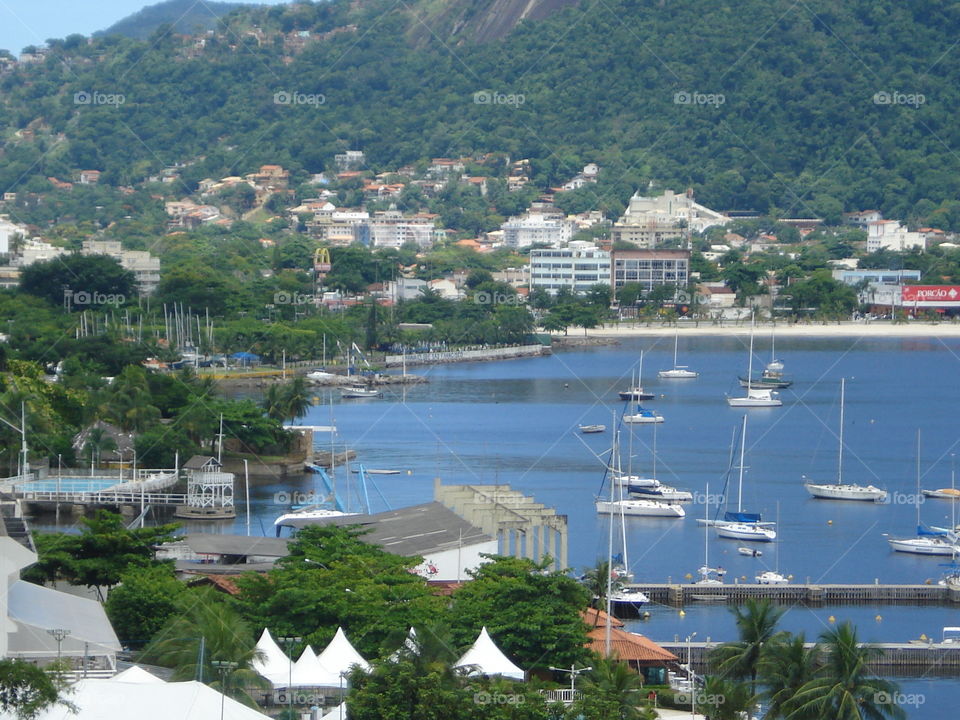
650, 221
577, 266
552, 229
891, 235
390, 229
7, 232
32, 251
349, 160
144, 266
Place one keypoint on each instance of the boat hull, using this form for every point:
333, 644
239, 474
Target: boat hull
678, 374
749, 402
765, 384
772, 578
923, 546
640, 508
861, 493
942, 494
635, 395
642, 419
749, 533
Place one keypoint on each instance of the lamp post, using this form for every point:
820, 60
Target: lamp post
224, 666
574, 671
290, 641
692, 677
58, 634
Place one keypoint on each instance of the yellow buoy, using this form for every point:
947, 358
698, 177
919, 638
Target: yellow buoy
682, 613
831, 619
878, 618
409, 472
923, 637
829, 522
688, 576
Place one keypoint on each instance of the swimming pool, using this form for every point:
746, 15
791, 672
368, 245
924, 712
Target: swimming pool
69, 484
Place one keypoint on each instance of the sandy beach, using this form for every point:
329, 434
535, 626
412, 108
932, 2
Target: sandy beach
875, 328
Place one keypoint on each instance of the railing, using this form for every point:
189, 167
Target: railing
103, 498
565, 696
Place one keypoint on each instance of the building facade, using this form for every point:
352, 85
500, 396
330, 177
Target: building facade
649, 268
537, 228
576, 267
891, 235
650, 221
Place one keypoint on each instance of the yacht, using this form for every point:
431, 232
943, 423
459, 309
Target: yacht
643, 416
772, 577
636, 391
640, 508
359, 391
746, 531
678, 371
756, 396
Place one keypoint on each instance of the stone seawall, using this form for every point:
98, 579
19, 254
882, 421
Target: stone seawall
450, 356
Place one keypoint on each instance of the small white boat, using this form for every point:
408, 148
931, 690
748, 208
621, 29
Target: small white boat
659, 491
925, 545
586, 429
750, 552
643, 416
633, 483
943, 493
358, 391
640, 508
678, 372
320, 376
635, 393
308, 516
752, 532
629, 595
756, 397
771, 577
841, 490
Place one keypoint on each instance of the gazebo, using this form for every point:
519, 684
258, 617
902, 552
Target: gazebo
485, 658
209, 490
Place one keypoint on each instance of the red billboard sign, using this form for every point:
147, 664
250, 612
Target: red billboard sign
933, 294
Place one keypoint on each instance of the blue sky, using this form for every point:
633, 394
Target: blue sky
31, 22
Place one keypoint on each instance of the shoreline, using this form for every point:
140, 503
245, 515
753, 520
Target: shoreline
843, 329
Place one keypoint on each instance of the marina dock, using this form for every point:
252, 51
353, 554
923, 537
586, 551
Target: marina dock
679, 595
910, 659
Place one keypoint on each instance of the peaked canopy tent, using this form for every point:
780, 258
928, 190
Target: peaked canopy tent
485, 658
128, 696
340, 656
308, 671
274, 665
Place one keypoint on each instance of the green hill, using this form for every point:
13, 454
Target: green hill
800, 109
185, 16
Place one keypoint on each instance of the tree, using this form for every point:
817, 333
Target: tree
612, 690
844, 688
534, 615
26, 690
143, 603
757, 626
786, 666
724, 699
203, 619
84, 280
98, 442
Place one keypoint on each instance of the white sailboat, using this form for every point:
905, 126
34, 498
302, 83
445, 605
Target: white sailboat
774, 577
632, 506
741, 525
756, 396
772, 376
653, 489
841, 490
636, 391
708, 575
927, 542
678, 371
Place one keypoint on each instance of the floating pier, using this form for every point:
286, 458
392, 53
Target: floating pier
679, 595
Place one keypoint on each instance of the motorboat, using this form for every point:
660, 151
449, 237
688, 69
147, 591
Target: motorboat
677, 372
587, 429
640, 508
359, 391
943, 493
643, 416
746, 531
321, 376
841, 490
310, 515
632, 596
750, 552
772, 577
756, 397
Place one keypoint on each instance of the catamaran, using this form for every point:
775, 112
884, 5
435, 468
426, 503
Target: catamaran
841, 490
927, 542
678, 371
756, 396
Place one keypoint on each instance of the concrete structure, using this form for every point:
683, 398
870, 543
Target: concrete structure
522, 526
390, 229
209, 491
890, 235
537, 228
650, 268
349, 160
144, 266
650, 221
8, 231
578, 266
862, 218
882, 277
208, 553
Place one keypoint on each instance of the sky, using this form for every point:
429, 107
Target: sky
32, 22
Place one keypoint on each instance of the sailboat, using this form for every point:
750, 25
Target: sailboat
632, 506
927, 542
772, 376
841, 490
773, 577
636, 391
678, 371
756, 396
653, 488
708, 575
740, 525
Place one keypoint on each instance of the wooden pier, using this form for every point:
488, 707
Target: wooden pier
816, 594
896, 659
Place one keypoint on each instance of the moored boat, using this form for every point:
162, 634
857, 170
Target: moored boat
359, 391
640, 508
587, 429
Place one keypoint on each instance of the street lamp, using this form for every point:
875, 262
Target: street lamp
290, 641
224, 666
574, 671
58, 634
691, 677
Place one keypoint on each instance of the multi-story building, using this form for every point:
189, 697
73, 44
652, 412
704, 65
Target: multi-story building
880, 277
650, 268
144, 266
8, 230
577, 267
891, 235
651, 221
349, 160
862, 218
537, 228
390, 229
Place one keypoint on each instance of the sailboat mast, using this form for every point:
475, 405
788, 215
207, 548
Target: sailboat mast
840, 454
750, 360
615, 459
706, 533
676, 341
743, 447
916, 498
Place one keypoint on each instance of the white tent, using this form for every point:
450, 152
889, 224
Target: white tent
485, 658
337, 713
120, 699
136, 674
275, 665
410, 645
308, 671
340, 656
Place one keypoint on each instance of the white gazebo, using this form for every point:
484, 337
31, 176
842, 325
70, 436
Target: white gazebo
209, 489
485, 658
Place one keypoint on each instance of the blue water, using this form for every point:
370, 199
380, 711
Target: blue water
71, 484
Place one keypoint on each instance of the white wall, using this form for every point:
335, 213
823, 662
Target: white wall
452, 565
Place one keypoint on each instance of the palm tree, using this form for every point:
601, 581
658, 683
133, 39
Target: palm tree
786, 666
208, 630
757, 625
844, 688
296, 398
724, 699
273, 402
98, 441
596, 581
613, 690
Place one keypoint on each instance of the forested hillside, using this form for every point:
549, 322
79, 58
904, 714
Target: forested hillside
184, 15
768, 105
